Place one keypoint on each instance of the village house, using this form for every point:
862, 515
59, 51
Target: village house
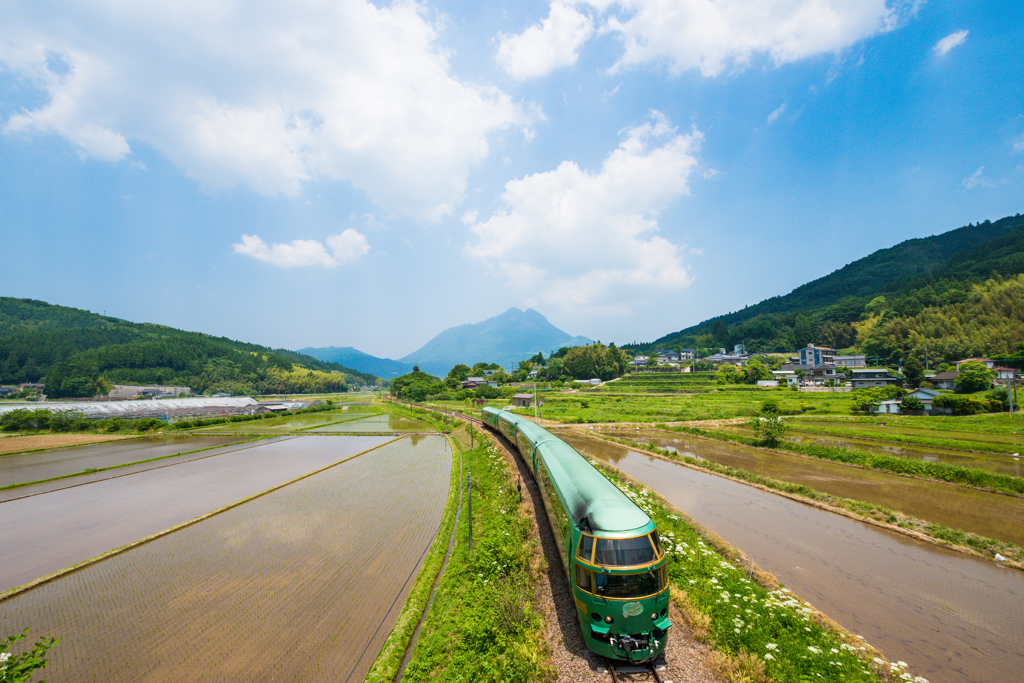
944, 380
813, 355
864, 378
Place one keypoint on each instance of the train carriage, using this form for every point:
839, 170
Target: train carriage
609, 547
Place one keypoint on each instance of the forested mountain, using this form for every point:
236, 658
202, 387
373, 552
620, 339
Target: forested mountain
354, 358
78, 353
954, 293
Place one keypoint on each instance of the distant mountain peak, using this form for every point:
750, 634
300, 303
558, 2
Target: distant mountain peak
505, 339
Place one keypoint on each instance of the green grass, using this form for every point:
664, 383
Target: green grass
389, 660
986, 423
483, 624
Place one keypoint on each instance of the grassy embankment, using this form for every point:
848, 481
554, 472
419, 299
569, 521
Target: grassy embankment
483, 623
761, 631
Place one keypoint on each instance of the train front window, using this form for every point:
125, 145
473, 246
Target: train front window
585, 550
629, 585
624, 552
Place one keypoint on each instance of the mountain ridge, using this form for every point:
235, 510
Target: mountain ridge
505, 339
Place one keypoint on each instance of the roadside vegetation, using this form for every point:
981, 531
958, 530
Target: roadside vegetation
483, 623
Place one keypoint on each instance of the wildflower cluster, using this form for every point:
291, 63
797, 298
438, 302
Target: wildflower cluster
18, 668
774, 625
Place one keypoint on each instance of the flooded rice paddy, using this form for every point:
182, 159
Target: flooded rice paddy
45, 533
988, 514
376, 423
304, 583
290, 423
18, 468
952, 617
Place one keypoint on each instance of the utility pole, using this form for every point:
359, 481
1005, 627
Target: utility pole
925, 356
469, 498
1009, 395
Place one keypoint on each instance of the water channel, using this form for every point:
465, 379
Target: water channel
987, 514
952, 617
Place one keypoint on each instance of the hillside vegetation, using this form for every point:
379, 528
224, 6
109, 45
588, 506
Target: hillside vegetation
78, 353
959, 293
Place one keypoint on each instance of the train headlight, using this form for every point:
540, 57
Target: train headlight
654, 616
608, 619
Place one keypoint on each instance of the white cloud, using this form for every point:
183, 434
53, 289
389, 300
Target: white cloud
577, 239
943, 47
713, 36
978, 179
1018, 144
261, 94
346, 247
555, 43
777, 113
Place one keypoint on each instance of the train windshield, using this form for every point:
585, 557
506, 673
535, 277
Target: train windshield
630, 585
626, 552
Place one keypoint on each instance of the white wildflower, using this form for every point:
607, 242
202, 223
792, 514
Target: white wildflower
771, 646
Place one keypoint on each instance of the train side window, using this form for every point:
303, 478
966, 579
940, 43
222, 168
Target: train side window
585, 551
583, 579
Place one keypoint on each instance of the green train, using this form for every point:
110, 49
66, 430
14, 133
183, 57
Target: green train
610, 547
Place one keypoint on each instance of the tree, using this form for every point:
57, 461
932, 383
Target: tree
913, 370
973, 376
767, 424
911, 403
459, 372
720, 332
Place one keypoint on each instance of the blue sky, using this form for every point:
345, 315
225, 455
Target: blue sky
344, 173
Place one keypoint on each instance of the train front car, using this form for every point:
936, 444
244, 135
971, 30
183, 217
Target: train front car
620, 582
609, 547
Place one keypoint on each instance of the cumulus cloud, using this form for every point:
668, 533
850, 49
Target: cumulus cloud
577, 238
263, 95
346, 247
942, 48
555, 43
713, 36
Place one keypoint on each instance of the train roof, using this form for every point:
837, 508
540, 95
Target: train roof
586, 492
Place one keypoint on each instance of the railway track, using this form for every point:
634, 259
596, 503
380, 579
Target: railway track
624, 673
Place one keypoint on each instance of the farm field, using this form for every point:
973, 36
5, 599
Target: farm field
997, 462
18, 468
591, 406
287, 423
376, 423
987, 514
82, 522
34, 442
303, 583
962, 432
